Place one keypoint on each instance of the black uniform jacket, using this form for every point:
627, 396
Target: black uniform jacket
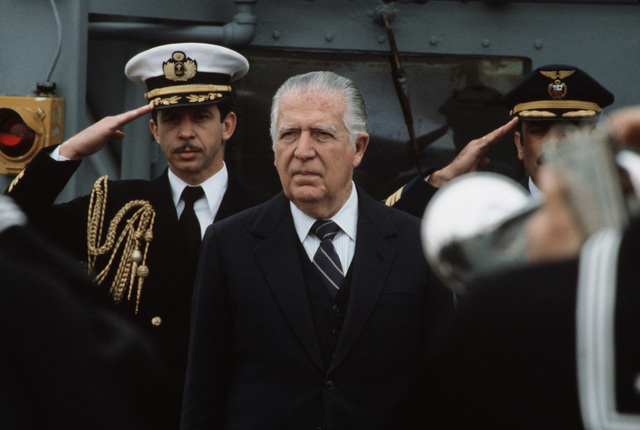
414, 196
165, 304
255, 360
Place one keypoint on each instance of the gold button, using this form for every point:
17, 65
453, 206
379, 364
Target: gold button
156, 321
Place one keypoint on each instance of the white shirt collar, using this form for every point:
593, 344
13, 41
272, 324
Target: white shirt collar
536, 193
346, 218
214, 188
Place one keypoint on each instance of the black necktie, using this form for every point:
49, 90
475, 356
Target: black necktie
326, 259
189, 223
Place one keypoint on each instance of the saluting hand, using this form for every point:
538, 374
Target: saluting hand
95, 137
471, 156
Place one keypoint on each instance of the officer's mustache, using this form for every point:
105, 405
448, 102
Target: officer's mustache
187, 147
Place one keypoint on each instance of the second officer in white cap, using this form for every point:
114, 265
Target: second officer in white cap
140, 238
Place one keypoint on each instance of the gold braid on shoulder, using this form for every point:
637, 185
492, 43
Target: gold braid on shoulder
136, 233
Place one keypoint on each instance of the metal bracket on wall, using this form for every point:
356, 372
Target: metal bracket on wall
386, 14
240, 31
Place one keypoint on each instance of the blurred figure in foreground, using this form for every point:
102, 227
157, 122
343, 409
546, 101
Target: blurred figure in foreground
65, 362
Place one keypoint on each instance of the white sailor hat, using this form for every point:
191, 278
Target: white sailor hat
186, 74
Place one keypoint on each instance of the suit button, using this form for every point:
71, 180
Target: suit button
335, 308
335, 332
329, 385
156, 321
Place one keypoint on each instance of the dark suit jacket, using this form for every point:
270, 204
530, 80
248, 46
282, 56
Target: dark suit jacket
255, 360
167, 290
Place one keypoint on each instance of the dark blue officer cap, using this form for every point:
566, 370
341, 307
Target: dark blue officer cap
557, 92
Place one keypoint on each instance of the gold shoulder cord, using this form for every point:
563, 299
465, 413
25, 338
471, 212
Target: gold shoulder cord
138, 229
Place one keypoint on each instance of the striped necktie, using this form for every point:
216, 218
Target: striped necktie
326, 259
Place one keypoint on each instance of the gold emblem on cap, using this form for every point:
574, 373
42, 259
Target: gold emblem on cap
557, 89
179, 67
538, 108
199, 98
157, 96
165, 101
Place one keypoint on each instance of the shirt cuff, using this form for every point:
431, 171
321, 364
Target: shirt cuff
55, 154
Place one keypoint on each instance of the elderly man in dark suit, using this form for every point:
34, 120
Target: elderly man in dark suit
299, 324
148, 265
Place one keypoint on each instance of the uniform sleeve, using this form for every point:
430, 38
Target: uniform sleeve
413, 197
39, 184
35, 190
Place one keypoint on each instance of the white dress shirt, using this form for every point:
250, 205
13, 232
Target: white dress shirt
207, 206
536, 193
344, 242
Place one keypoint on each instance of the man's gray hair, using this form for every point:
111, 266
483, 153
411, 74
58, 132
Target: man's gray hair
355, 116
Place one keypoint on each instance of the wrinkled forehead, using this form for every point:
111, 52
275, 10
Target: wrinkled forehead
313, 98
311, 108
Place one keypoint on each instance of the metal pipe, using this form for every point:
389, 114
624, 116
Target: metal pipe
239, 31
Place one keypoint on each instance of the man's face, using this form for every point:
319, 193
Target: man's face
535, 135
530, 145
313, 155
191, 139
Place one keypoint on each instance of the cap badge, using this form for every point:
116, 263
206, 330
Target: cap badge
179, 67
557, 89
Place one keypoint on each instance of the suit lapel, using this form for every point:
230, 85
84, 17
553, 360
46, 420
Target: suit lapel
237, 198
370, 266
231, 201
282, 269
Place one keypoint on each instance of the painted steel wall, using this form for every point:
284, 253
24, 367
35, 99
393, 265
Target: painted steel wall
599, 36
